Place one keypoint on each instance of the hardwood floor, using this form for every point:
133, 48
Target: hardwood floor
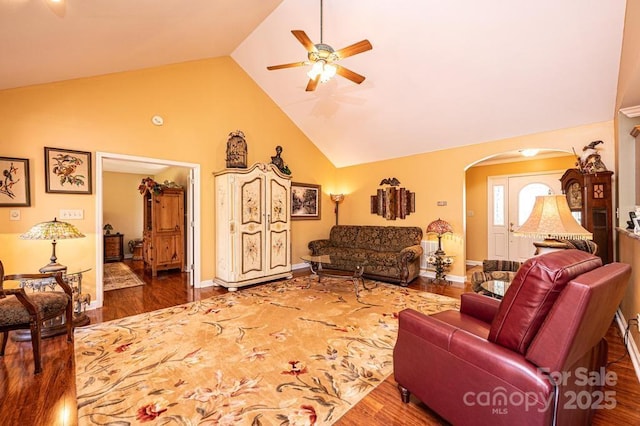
49, 398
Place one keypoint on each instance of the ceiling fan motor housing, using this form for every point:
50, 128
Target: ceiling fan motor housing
323, 52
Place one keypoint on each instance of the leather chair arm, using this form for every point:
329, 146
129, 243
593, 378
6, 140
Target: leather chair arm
316, 245
479, 306
495, 360
434, 331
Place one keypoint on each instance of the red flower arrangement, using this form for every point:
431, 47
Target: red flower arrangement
148, 184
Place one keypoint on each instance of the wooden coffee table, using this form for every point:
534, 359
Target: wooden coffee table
321, 267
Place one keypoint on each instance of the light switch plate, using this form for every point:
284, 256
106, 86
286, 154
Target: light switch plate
71, 214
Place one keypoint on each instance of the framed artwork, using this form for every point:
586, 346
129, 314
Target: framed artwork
305, 201
14, 182
67, 171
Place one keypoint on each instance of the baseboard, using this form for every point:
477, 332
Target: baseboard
297, 266
473, 262
632, 348
93, 305
206, 283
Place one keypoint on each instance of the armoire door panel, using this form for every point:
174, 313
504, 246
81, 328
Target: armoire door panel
168, 249
279, 253
169, 213
252, 253
251, 200
279, 202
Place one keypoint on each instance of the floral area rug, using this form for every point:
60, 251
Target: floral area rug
119, 275
275, 354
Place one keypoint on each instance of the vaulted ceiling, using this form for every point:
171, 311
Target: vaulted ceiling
440, 74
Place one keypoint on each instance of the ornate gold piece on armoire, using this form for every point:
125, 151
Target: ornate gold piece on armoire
163, 230
253, 225
589, 198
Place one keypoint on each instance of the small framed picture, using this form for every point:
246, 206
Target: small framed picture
305, 201
67, 171
14, 182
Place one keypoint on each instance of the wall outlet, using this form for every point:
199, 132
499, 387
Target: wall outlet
442, 203
71, 214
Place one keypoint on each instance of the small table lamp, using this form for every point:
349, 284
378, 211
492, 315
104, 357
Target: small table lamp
551, 219
439, 260
439, 227
53, 230
336, 198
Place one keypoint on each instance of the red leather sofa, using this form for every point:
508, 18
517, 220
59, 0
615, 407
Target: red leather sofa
535, 358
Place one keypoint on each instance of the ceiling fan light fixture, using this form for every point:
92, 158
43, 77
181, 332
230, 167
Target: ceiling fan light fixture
316, 69
327, 73
323, 69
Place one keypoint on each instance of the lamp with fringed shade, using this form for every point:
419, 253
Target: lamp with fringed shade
551, 219
53, 230
439, 227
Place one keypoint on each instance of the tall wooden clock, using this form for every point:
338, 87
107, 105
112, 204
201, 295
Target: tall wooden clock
589, 198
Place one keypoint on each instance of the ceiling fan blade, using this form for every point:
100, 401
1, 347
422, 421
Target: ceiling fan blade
354, 49
304, 39
313, 83
348, 74
291, 65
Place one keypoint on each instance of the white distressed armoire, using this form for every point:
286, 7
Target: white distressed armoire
253, 225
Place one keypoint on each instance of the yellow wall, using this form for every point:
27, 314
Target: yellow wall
177, 175
440, 176
201, 103
476, 190
122, 205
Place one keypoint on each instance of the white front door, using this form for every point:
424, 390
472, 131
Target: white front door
511, 200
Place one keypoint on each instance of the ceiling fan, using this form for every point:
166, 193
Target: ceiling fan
324, 58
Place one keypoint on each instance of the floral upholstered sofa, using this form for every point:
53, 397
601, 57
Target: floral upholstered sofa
388, 253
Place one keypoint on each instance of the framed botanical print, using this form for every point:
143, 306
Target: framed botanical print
67, 171
305, 201
14, 182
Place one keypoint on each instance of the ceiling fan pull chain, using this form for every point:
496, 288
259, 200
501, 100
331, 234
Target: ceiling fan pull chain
321, 21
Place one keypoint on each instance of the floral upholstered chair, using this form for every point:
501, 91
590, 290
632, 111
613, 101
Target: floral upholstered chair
499, 270
19, 310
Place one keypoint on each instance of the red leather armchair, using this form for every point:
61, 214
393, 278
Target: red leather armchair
535, 358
